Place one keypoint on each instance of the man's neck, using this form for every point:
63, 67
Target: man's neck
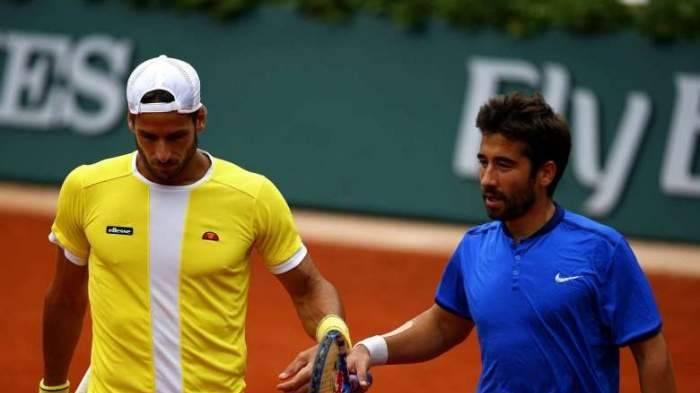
197, 168
532, 221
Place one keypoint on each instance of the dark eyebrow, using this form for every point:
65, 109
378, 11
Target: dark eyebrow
497, 159
504, 160
177, 133
145, 133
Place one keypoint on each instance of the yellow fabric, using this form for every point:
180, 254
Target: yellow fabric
69, 215
333, 322
241, 208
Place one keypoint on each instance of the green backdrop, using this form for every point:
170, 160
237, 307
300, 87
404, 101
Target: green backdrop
360, 116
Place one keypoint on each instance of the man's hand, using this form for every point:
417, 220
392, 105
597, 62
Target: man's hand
358, 363
297, 376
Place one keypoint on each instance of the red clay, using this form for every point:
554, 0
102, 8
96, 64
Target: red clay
381, 289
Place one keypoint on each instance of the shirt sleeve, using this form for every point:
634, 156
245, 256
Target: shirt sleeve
628, 304
67, 230
277, 238
451, 291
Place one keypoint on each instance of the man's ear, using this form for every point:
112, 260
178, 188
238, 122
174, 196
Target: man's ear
201, 120
131, 122
547, 173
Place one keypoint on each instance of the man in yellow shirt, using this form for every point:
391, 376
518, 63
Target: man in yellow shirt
159, 240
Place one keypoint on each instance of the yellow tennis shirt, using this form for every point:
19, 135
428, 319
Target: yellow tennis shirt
169, 270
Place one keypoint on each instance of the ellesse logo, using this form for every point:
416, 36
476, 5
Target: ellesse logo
115, 230
210, 236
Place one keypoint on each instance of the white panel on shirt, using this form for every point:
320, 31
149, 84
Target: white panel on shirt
168, 209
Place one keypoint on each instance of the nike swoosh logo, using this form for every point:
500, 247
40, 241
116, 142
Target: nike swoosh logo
560, 280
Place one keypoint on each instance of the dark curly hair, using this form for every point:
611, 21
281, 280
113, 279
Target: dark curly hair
158, 96
530, 120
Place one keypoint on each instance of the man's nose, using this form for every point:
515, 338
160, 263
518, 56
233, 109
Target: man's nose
488, 177
163, 153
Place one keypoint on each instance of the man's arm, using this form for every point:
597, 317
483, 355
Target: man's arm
314, 297
654, 365
430, 334
64, 309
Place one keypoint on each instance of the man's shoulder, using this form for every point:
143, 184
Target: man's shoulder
235, 177
477, 236
600, 242
105, 170
480, 233
589, 228
483, 229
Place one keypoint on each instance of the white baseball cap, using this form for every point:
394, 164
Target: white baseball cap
164, 73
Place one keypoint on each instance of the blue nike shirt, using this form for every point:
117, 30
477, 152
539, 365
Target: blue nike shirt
551, 311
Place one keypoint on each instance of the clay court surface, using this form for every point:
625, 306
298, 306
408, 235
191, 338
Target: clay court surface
381, 286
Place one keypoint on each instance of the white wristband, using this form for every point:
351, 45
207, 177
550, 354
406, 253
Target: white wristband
377, 348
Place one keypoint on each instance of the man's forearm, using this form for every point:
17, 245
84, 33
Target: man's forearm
62, 324
425, 337
654, 365
321, 299
656, 376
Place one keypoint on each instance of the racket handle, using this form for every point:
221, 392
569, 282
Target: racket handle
355, 382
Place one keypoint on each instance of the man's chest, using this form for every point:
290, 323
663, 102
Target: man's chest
194, 235
530, 285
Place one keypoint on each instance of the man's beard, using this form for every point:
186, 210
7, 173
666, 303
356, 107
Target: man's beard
167, 179
514, 206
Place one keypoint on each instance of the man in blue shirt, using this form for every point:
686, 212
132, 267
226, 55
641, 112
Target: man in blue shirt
553, 295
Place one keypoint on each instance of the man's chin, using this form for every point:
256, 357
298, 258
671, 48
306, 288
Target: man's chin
165, 177
494, 214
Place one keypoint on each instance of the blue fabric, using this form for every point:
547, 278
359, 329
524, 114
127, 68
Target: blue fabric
552, 310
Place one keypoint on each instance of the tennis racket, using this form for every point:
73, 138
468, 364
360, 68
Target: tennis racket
330, 372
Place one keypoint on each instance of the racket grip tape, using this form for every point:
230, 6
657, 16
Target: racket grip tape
333, 322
